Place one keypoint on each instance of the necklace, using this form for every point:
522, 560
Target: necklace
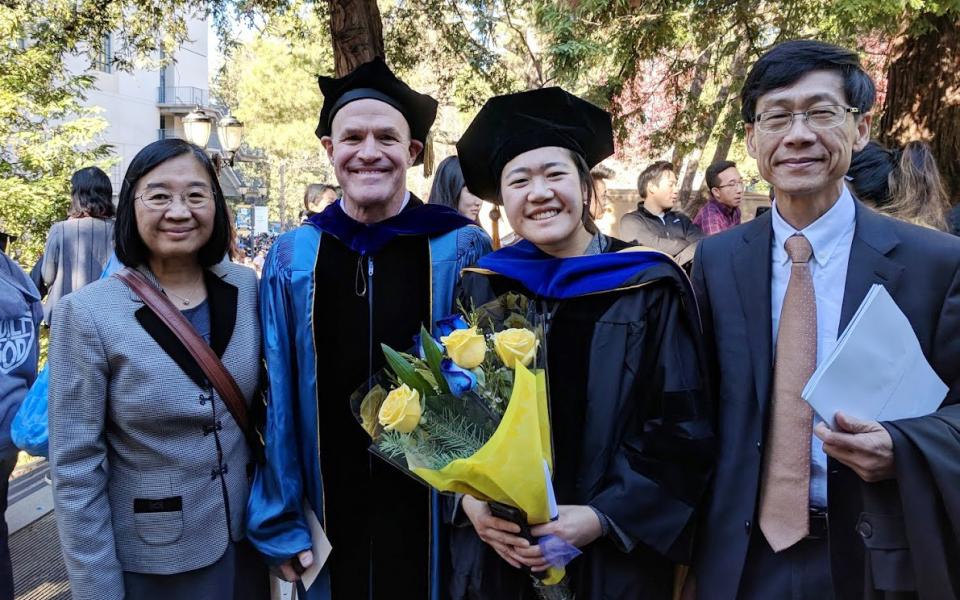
186, 301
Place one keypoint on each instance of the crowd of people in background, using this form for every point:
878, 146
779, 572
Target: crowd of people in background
159, 487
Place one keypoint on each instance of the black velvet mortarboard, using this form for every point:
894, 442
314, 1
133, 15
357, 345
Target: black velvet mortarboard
510, 125
376, 81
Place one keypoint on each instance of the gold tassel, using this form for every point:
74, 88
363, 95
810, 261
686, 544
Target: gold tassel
428, 156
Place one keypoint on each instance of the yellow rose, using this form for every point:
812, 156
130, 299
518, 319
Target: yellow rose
466, 347
515, 345
369, 407
401, 410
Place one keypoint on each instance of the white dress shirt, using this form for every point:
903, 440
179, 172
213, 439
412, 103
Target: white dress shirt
831, 237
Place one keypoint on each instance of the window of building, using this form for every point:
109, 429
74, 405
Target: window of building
103, 60
116, 176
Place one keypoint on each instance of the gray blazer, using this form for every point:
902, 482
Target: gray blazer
75, 254
149, 474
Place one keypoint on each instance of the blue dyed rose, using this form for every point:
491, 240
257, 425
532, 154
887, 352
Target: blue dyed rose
459, 380
447, 325
418, 346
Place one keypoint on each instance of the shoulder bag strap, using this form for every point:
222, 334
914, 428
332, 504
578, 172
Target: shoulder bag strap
208, 361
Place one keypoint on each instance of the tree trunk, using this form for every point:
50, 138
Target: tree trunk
700, 70
686, 198
922, 86
725, 140
357, 33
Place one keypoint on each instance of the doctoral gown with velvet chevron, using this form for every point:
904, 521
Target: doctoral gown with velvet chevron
378, 519
631, 430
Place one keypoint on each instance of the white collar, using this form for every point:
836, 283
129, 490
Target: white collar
406, 200
823, 234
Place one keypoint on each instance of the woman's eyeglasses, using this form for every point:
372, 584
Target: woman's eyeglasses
162, 199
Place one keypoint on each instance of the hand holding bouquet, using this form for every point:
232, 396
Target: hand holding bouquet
467, 413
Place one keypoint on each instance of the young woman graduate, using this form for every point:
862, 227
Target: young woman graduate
631, 424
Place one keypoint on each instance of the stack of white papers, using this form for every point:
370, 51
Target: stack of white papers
877, 371
321, 546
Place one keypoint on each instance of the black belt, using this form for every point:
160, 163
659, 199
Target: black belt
818, 524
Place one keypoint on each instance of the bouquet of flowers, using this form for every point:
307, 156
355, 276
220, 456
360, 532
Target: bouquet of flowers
466, 412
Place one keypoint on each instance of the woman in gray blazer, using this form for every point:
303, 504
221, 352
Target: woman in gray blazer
78, 248
150, 470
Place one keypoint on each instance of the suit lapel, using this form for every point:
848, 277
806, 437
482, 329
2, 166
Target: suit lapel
222, 302
170, 344
873, 239
751, 267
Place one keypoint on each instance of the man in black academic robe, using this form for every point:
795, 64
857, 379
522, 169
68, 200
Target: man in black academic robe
630, 425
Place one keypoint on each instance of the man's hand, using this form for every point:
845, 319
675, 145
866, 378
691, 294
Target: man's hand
290, 573
497, 533
864, 446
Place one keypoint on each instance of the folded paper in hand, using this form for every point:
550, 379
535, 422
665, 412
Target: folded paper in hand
877, 371
321, 547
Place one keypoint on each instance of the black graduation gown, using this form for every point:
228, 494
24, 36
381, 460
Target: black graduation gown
377, 518
927, 499
631, 435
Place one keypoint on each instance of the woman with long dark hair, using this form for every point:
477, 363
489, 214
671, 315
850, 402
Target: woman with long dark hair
449, 189
903, 183
78, 248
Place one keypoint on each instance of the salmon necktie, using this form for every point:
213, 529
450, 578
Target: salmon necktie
785, 487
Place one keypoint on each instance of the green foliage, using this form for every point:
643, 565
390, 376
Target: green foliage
643, 60
270, 81
45, 133
405, 372
442, 437
434, 357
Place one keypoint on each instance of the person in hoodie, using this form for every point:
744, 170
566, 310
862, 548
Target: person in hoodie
20, 316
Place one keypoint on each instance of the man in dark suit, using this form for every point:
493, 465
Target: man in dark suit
869, 510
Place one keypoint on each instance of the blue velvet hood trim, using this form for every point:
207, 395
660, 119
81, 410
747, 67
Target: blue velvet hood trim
418, 219
562, 278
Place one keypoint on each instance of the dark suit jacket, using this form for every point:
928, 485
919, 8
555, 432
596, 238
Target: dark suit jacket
921, 270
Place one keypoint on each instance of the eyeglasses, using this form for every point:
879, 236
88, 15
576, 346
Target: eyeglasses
162, 199
737, 185
820, 117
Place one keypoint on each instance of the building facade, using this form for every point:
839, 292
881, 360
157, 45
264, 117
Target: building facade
148, 104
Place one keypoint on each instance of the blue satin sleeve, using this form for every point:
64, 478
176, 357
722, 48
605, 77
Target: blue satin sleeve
275, 521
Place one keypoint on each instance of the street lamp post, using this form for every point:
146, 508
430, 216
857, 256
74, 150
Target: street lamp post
230, 130
197, 127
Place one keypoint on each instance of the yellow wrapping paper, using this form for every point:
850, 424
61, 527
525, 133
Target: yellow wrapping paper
509, 467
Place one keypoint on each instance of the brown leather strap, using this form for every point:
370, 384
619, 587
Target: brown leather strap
208, 361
